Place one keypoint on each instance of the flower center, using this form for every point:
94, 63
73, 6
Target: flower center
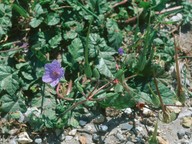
55, 73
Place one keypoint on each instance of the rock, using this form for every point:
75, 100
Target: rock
38, 140
95, 138
174, 109
73, 132
120, 137
82, 123
24, 138
62, 137
139, 140
151, 130
12, 141
187, 122
185, 142
188, 134
112, 112
103, 128
68, 138
147, 121
82, 140
181, 133
132, 138
161, 140
147, 112
127, 111
139, 129
13, 131
99, 119
90, 128
126, 126
177, 17
129, 142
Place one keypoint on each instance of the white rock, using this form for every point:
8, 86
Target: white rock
127, 111
68, 138
139, 129
73, 132
13, 141
38, 140
147, 112
177, 17
24, 138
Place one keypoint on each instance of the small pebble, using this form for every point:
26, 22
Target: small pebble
185, 142
147, 112
127, 111
62, 137
126, 126
103, 128
129, 142
13, 141
99, 119
188, 134
120, 137
95, 138
139, 128
68, 138
73, 132
181, 134
90, 128
82, 123
38, 140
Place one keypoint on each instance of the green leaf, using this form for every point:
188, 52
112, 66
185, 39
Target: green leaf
114, 34
9, 80
5, 19
118, 101
98, 45
13, 103
38, 10
52, 19
27, 75
76, 49
47, 100
55, 41
36, 22
106, 65
73, 122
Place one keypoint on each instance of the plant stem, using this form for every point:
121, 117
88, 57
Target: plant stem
179, 85
158, 93
43, 95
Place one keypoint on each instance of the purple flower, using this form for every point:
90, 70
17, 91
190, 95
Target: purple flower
120, 51
53, 73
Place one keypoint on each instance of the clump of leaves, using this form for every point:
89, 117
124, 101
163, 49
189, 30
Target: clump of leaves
85, 38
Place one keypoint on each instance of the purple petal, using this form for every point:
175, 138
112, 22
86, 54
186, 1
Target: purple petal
46, 78
120, 51
55, 63
54, 83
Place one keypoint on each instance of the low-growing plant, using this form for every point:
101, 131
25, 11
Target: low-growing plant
60, 56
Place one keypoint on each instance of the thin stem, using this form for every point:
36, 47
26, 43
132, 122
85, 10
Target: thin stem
179, 85
43, 95
60, 96
157, 13
96, 91
119, 3
158, 93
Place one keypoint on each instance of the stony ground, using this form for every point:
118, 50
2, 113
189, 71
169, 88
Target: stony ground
127, 126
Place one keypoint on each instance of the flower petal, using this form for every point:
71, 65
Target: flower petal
56, 64
46, 78
54, 83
